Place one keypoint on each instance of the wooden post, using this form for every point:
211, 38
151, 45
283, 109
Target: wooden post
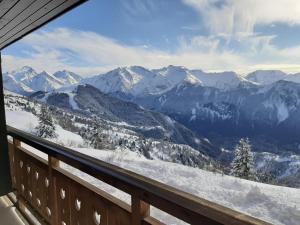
139, 210
17, 144
11, 152
52, 192
5, 186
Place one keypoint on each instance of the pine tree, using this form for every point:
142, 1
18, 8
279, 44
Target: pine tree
243, 165
96, 140
46, 127
95, 137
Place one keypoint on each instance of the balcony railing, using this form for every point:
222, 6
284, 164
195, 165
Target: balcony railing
55, 196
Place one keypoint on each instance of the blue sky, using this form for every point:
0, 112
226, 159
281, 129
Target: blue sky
213, 35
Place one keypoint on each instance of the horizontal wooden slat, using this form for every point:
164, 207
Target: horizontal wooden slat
6, 5
21, 17
17, 25
25, 16
17, 9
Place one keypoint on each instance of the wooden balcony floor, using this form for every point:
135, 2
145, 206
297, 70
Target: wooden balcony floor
9, 215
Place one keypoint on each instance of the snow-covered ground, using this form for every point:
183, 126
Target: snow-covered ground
27, 122
278, 205
275, 204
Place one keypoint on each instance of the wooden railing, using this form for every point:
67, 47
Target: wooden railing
58, 197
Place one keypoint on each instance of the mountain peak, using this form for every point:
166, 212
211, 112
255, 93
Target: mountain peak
27, 69
265, 77
23, 72
44, 73
191, 79
67, 77
176, 68
173, 66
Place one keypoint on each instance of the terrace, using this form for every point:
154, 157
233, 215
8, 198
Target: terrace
36, 189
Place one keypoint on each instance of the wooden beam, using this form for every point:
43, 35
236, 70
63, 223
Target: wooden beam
5, 185
140, 210
25, 16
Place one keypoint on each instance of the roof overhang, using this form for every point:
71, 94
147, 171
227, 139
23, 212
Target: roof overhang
20, 17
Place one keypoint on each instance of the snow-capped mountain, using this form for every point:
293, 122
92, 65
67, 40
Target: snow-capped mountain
28, 77
182, 106
223, 80
246, 110
132, 80
218, 101
25, 74
265, 77
44, 82
293, 78
176, 74
11, 84
67, 77
282, 165
138, 81
16, 81
27, 80
280, 205
89, 101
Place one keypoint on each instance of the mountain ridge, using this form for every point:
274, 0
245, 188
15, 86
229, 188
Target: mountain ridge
90, 101
140, 81
26, 80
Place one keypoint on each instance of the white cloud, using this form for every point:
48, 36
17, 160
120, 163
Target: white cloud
139, 8
235, 20
231, 22
234, 17
89, 53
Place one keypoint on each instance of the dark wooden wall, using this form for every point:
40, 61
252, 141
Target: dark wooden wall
5, 179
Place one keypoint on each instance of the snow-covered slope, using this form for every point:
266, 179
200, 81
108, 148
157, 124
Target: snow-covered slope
26, 80
133, 80
67, 77
250, 109
89, 101
11, 84
175, 74
114, 135
27, 122
139, 81
277, 205
45, 82
24, 75
265, 77
293, 78
223, 80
